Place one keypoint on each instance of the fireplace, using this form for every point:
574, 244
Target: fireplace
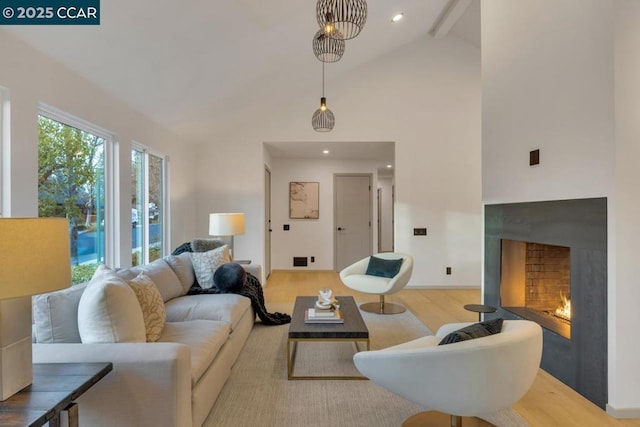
536, 254
535, 283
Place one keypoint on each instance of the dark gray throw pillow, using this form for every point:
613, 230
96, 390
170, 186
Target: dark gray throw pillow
477, 330
383, 267
229, 277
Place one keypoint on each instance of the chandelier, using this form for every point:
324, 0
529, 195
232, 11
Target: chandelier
341, 19
327, 49
323, 119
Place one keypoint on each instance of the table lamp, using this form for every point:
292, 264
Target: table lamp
226, 224
34, 259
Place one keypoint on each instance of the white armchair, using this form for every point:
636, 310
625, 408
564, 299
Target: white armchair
469, 378
354, 277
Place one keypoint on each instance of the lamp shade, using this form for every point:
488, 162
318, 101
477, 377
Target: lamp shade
226, 224
34, 256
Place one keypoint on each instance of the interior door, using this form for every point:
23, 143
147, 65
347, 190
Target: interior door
267, 222
353, 211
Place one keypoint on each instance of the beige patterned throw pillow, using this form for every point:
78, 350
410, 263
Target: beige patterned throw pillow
206, 263
153, 311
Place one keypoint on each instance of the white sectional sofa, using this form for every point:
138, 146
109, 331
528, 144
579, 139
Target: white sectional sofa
172, 382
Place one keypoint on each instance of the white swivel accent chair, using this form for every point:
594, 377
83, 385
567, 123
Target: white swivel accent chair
464, 379
354, 277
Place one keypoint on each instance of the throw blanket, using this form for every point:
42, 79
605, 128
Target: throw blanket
252, 289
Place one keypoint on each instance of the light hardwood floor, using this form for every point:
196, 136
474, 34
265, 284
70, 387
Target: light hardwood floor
548, 403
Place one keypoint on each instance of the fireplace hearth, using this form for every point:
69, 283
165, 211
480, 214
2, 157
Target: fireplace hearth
539, 254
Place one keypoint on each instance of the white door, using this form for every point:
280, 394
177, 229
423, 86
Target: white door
353, 211
267, 222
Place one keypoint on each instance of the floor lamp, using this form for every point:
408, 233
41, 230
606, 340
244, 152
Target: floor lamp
34, 259
226, 225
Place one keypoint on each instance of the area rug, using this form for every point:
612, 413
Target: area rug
259, 394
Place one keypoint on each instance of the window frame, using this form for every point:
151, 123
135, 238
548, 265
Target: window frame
166, 228
5, 138
111, 177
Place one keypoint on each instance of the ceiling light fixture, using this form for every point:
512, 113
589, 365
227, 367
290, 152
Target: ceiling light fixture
327, 49
397, 17
389, 166
325, 151
323, 119
341, 19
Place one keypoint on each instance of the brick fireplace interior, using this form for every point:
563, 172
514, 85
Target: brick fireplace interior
535, 283
536, 254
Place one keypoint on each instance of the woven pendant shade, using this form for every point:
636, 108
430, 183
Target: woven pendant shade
341, 19
323, 119
327, 49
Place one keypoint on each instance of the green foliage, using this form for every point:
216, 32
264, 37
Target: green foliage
69, 167
82, 273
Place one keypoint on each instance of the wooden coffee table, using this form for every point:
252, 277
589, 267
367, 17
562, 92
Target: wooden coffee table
353, 329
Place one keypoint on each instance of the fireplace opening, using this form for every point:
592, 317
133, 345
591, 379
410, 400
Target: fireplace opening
535, 284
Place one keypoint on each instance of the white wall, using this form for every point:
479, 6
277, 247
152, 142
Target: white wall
426, 98
624, 370
385, 184
308, 237
549, 82
31, 78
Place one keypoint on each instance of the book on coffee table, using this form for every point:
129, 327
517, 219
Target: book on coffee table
313, 315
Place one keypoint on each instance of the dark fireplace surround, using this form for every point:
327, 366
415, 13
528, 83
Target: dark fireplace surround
579, 226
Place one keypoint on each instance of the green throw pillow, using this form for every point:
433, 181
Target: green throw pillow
477, 330
383, 267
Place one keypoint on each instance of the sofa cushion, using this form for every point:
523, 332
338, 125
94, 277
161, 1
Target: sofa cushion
108, 311
206, 263
204, 337
476, 330
162, 275
55, 315
151, 304
181, 265
228, 308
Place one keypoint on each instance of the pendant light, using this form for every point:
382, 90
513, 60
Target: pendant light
327, 49
341, 19
323, 119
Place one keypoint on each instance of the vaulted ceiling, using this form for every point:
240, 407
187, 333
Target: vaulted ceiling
191, 65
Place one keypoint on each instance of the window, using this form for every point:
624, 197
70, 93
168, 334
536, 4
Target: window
149, 222
74, 171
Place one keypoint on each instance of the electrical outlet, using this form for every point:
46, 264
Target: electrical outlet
313, 259
449, 270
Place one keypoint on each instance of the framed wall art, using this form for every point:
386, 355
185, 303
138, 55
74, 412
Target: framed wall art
304, 200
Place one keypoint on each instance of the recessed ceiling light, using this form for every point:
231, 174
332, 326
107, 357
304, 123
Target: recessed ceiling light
325, 151
397, 17
389, 166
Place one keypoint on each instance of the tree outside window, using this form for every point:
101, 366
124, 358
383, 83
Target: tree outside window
71, 180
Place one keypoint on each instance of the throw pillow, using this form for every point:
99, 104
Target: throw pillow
206, 263
477, 330
150, 300
108, 311
230, 277
383, 267
181, 265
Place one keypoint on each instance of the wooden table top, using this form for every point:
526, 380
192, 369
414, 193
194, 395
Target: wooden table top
353, 326
54, 387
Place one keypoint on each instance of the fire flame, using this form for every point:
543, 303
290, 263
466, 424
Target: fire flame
564, 310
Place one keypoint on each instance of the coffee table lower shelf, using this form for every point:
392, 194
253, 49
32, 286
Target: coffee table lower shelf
292, 347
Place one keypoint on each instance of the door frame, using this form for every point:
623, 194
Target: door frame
335, 213
267, 222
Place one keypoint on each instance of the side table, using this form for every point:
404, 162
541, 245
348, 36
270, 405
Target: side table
55, 388
480, 308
